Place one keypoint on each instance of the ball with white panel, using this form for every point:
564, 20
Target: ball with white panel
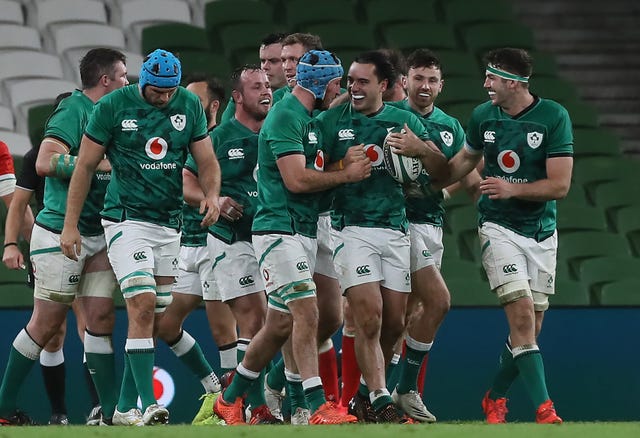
401, 168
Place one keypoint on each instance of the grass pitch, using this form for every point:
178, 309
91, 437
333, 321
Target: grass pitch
441, 430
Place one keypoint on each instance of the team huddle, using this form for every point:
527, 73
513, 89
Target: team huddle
289, 221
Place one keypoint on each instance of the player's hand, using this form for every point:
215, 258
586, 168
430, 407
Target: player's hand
357, 165
407, 143
497, 188
71, 242
104, 166
230, 209
13, 258
209, 207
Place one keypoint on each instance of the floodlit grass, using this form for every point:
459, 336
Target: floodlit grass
441, 430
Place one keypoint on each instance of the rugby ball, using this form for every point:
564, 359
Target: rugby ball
401, 168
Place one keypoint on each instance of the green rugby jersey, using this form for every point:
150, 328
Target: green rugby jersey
66, 125
424, 206
236, 147
284, 132
516, 149
192, 233
147, 147
377, 201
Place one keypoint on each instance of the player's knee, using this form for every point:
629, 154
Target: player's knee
137, 283
163, 297
540, 301
513, 291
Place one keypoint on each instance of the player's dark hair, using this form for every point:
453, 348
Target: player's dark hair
273, 38
511, 60
236, 75
97, 63
423, 58
397, 59
383, 66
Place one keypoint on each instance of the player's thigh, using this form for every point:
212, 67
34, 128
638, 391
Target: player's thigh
503, 259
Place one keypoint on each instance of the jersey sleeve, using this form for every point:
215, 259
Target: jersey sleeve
65, 125
561, 136
200, 126
99, 126
474, 140
458, 136
287, 139
28, 178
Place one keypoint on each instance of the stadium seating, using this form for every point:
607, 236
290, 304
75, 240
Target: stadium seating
590, 171
462, 90
459, 110
594, 273
572, 217
339, 36
381, 14
16, 295
206, 62
222, 13
457, 63
7, 123
582, 115
175, 37
36, 119
462, 13
588, 142
469, 292
621, 293
481, 37
12, 12
14, 36
554, 88
302, 13
19, 144
29, 64
410, 36
569, 293
52, 13
627, 222
575, 248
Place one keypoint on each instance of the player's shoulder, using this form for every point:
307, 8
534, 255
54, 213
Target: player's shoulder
441, 117
550, 106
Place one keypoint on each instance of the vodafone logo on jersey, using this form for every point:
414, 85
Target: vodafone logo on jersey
508, 161
163, 387
318, 163
374, 152
156, 148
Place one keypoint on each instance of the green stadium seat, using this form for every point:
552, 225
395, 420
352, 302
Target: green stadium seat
595, 273
302, 13
580, 218
575, 198
462, 219
410, 36
16, 295
205, 62
570, 293
451, 247
462, 13
343, 36
222, 13
459, 199
240, 38
614, 195
621, 293
482, 37
575, 248
457, 63
591, 171
462, 90
458, 268
175, 37
36, 120
627, 221
554, 88
468, 292
544, 64
582, 115
589, 142
381, 13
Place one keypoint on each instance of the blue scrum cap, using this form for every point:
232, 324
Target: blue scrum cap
316, 69
161, 69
